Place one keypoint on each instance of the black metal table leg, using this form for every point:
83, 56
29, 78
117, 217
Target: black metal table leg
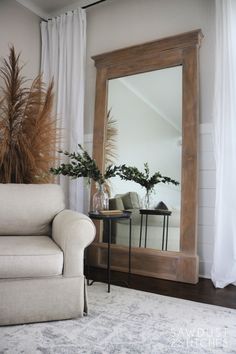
163, 232
167, 228
130, 232
107, 223
87, 268
141, 231
109, 256
164, 213
145, 245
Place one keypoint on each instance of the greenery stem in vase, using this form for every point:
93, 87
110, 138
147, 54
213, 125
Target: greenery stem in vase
144, 179
82, 165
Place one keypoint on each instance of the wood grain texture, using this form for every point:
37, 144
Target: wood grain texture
176, 266
149, 49
164, 53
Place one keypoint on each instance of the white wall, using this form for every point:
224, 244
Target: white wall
118, 24
20, 27
207, 189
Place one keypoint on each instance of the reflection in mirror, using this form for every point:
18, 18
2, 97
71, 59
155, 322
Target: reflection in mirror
147, 109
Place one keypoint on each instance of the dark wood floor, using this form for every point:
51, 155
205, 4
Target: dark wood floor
204, 291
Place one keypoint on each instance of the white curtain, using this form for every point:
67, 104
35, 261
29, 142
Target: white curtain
224, 262
63, 59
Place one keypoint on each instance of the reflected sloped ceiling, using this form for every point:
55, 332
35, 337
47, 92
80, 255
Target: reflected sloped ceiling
161, 90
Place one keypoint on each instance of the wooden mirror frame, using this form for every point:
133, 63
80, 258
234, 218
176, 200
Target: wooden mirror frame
164, 53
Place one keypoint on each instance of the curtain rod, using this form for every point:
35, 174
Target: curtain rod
84, 7
94, 3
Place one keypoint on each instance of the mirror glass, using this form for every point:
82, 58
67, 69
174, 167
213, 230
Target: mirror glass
147, 113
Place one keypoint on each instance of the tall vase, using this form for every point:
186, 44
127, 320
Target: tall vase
147, 201
100, 199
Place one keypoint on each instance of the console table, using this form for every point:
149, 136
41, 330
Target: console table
165, 214
107, 219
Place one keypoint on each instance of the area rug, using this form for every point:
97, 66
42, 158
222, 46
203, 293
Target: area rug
127, 321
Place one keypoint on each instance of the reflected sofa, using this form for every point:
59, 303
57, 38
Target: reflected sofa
131, 201
41, 255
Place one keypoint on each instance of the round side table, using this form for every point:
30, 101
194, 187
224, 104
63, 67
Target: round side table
107, 219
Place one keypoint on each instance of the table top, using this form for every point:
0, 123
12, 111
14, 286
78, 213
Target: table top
98, 216
155, 212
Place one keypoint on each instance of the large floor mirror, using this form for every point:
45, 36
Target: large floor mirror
151, 93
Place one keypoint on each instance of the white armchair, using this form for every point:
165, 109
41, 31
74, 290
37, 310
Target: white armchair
41, 255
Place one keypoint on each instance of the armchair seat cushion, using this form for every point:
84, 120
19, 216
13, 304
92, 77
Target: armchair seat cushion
26, 257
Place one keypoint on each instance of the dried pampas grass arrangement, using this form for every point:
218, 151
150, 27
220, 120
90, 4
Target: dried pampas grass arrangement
28, 133
110, 145
111, 140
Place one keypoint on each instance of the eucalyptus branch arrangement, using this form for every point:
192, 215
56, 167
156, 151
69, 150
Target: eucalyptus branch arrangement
82, 165
130, 173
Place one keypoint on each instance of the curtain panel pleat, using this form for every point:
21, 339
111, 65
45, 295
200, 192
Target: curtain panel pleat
224, 120
63, 60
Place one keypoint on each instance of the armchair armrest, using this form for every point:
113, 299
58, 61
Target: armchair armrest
72, 232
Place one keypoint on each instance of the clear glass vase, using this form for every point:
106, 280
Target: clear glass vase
147, 201
100, 199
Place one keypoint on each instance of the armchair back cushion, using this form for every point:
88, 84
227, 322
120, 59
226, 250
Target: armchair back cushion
29, 209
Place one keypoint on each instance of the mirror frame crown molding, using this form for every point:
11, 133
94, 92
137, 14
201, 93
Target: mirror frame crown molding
182, 49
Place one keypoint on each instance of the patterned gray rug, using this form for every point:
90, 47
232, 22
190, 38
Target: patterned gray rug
129, 321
